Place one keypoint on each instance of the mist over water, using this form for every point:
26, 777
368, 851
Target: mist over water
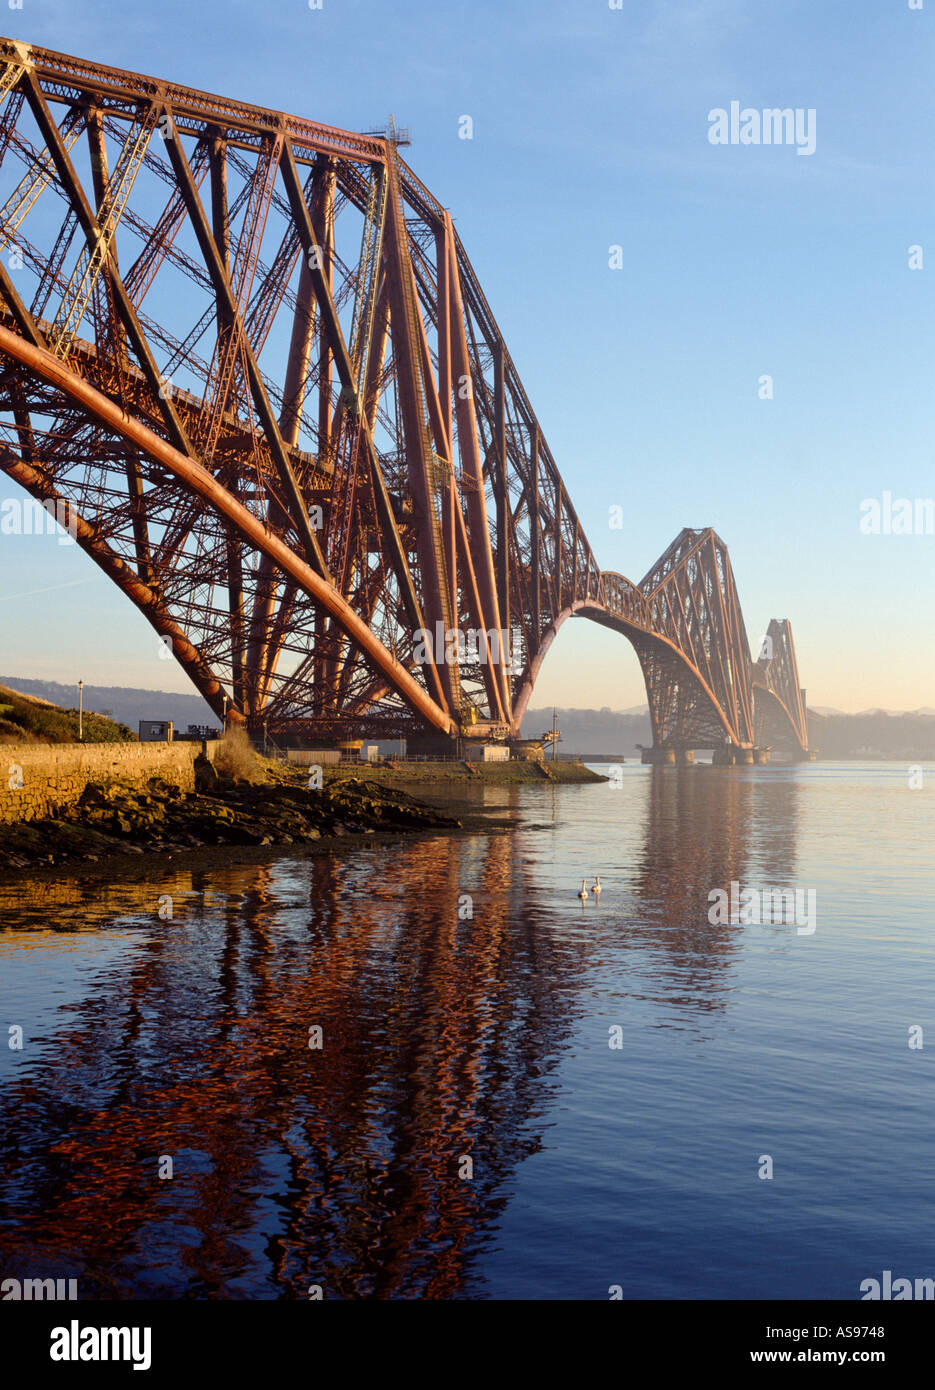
448, 1037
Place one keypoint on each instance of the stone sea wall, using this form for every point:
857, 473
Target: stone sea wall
39, 779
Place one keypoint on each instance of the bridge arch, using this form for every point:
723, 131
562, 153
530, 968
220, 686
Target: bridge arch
772, 717
648, 646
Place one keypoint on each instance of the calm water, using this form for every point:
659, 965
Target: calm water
447, 1038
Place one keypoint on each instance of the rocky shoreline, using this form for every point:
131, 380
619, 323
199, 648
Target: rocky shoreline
516, 771
116, 819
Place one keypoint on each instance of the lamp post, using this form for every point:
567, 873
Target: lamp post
81, 711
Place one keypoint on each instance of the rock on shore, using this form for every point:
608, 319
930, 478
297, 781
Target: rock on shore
117, 819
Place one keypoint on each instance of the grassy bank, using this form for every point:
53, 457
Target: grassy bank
26, 719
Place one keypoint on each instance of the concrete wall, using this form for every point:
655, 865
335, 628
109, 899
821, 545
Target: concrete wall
54, 775
313, 757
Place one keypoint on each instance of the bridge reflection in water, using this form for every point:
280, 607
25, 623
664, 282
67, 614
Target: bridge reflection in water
703, 830
341, 1167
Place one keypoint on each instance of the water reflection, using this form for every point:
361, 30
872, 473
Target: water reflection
345, 1166
445, 991
704, 827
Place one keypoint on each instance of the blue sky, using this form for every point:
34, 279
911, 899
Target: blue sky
590, 130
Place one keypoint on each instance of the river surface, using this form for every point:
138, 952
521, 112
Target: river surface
544, 1099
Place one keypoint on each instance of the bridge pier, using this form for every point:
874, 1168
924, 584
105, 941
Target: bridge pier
730, 754
659, 756
668, 757
761, 755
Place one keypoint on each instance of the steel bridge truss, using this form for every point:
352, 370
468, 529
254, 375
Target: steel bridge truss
247, 357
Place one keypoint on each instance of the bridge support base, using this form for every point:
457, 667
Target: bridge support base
659, 756
669, 757
761, 755
730, 753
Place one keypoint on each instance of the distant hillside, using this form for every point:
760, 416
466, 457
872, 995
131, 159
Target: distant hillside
871, 734
875, 734
127, 706
28, 719
593, 730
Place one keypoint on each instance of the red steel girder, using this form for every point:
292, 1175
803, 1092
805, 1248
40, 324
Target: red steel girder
425, 380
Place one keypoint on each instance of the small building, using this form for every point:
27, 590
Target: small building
369, 753
155, 731
486, 753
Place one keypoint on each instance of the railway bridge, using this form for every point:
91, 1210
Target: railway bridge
246, 357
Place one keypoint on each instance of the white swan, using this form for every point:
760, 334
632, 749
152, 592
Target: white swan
584, 892
596, 890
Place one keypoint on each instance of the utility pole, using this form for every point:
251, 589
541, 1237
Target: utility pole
81, 711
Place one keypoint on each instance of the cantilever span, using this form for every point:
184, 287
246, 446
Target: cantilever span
247, 357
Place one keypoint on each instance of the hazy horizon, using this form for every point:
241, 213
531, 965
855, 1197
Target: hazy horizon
535, 708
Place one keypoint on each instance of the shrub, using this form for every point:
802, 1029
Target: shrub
236, 758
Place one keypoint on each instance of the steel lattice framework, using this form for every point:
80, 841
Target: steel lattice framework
248, 360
